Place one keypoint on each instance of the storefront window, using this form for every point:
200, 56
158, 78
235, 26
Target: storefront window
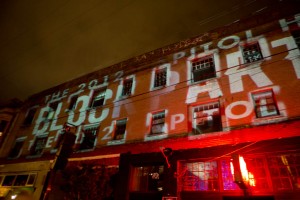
227, 176
285, 171
199, 176
147, 178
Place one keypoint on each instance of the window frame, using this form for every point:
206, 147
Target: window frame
248, 58
209, 72
141, 188
95, 130
165, 67
52, 109
115, 134
29, 117
256, 107
296, 36
216, 125
153, 123
96, 92
124, 92
33, 148
182, 181
72, 102
20, 139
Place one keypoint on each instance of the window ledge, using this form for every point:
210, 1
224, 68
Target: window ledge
252, 63
53, 150
150, 137
158, 87
34, 156
116, 142
84, 150
202, 81
269, 120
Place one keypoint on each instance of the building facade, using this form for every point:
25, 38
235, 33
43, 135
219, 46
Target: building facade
211, 117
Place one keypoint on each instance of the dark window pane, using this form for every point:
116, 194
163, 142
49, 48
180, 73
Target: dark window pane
127, 87
160, 77
21, 180
252, 53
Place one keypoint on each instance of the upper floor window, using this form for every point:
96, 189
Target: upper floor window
89, 138
265, 104
158, 123
252, 52
38, 145
53, 106
160, 78
98, 98
203, 68
16, 150
29, 116
127, 87
3, 130
296, 36
206, 118
120, 129
73, 101
3, 124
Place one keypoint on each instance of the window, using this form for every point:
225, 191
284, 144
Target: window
30, 115
31, 179
227, 176
98, 98
89, 139
127, 87
158, 123
16, 150
38, 146
3, 127
251, 52
265, 104
203, 68
9, 180
19, 180
147, 178
120, 129
206, 118
199, 176
285, 171
53, 107
296, 36
160, 78
3, 124
73, 101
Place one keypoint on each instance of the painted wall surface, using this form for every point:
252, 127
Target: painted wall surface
232, 87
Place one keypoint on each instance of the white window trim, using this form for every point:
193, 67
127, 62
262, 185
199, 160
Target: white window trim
28, 110
264, 49
97, 126
30, 146
19, 139
216, 58
282, 116
119, 141
166, 66
119, 95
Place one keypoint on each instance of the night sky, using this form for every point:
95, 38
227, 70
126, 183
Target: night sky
46, 43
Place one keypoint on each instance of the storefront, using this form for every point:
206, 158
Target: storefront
258, 170
23, 180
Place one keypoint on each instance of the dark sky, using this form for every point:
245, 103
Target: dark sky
45, 43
